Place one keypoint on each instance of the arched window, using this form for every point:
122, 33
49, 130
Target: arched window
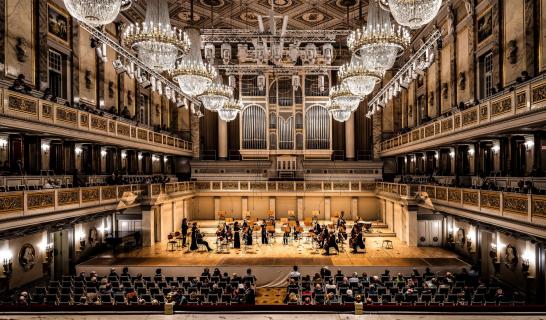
254, 127
317, 127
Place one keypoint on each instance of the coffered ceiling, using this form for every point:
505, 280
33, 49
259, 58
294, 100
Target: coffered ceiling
242, 14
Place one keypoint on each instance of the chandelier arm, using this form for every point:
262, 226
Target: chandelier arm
430, 43
129, 56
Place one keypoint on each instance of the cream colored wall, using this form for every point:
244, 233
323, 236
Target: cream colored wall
368, 208
203, 208
259, 206
462, 64
339, 204
87, 63
19, 24
313, 203
232, 206
13, 246
389, 215
514, 29
167, 220
284, 204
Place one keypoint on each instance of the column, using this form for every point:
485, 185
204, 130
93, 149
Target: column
216, 207
350, 138
148, 231
272, 205
412, 236
354, 207
244, 207
327, 208
222, 140
300, 208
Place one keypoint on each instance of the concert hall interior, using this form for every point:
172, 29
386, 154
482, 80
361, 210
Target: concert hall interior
344, 156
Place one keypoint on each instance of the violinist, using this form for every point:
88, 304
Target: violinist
247, 235
358, 241
264, 232
184, 230
330, 242
296, 230
341, 220
341, 233
323, 236
227, 232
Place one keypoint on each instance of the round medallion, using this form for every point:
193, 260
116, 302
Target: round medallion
312, 16
213, 3
27, 256
185, 16
346, 3
280, 3
249, 16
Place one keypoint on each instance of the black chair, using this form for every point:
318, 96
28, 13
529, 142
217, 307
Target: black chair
106, 298
385, 298
40, 290
439, 298
226, 298
119, 299
160, 298
51, 299
37, 299
147, 298
426, 297
65, 299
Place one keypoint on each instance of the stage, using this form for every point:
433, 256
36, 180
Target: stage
272, 262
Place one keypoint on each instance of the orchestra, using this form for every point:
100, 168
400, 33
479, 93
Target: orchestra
320, 236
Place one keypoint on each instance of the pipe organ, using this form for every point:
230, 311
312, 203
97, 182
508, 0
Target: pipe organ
317, 124
254, 127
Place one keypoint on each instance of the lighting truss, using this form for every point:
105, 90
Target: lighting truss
137, 62
415, 65
248, 36
254, 69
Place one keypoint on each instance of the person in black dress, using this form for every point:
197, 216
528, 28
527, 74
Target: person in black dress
330, 243
197, 238
264, 232
248, 236
184, 231
358, 242
236, 235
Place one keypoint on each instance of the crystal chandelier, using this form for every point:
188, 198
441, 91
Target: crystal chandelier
358, 78
215, 96
341, 96
412, 13
192, 74
378, 43
157, 43
230, 110
94, 12
339, 113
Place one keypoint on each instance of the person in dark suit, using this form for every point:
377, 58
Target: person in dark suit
250, 296
264, 232
184, 230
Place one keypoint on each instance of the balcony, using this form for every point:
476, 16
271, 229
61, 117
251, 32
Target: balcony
324, 187
24, 112
517, 207
28, 204
523, 106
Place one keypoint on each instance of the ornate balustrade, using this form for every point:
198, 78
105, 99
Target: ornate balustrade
28, 203
523, 99
529, 208
28, 108
284, 186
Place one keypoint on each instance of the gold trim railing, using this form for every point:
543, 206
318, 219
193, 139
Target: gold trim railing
24, 107
526, 97
285, 186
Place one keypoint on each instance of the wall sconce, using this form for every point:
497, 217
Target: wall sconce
49, 253
452, 154
45, 147
82, 243
123, 155
525, 265
7, 266
78, 151
103, 153
468, 243
495, 148
3, 144
471, 151
165, 159
140, 156
155, 158
436, 155
529, 144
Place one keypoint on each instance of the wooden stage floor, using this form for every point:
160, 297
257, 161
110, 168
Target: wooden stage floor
277, 254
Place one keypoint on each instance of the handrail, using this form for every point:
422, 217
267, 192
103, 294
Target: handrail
524, 98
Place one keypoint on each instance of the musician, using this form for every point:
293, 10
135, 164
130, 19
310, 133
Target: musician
247, 235
197, 238
236, 236
341, 233
286, 234
341, 220
227, 232
184, 230
264, 232
330, 242
323, 236
296, 231
245, 223
358, 241
316, 228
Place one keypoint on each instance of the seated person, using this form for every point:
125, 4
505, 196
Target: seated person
19, 85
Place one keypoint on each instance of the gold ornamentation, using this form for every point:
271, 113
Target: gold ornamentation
515, 204
490, 200
447, 125
22, 105
122, 190
415, 135
539, 206
133, 132
404, 190
89, 195
271, 186
501, 106
142, 134
67, 115
98, 123
441, 193
40, 200
84, 120
68, 197
216, 186
170, 141
327, 186
429, 131
539, 93
521, 100
354, 185
257, 186
457, 119
483, 112
286, 186
157, 138
108, 193
47, 111
299, 186
470, 117
123, 130
341, 186
112, 126
202, 185
454, 195
430, 192
156, 189
11, 203
170, 188
230, 185
470, 197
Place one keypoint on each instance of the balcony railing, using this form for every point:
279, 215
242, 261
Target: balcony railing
524, 98
285, 186
25, 107
27, 203
530, 208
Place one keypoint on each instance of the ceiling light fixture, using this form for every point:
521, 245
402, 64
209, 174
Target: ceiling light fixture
341, 96
94, 12
360, 80
412, 13
215, 96
230, 110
